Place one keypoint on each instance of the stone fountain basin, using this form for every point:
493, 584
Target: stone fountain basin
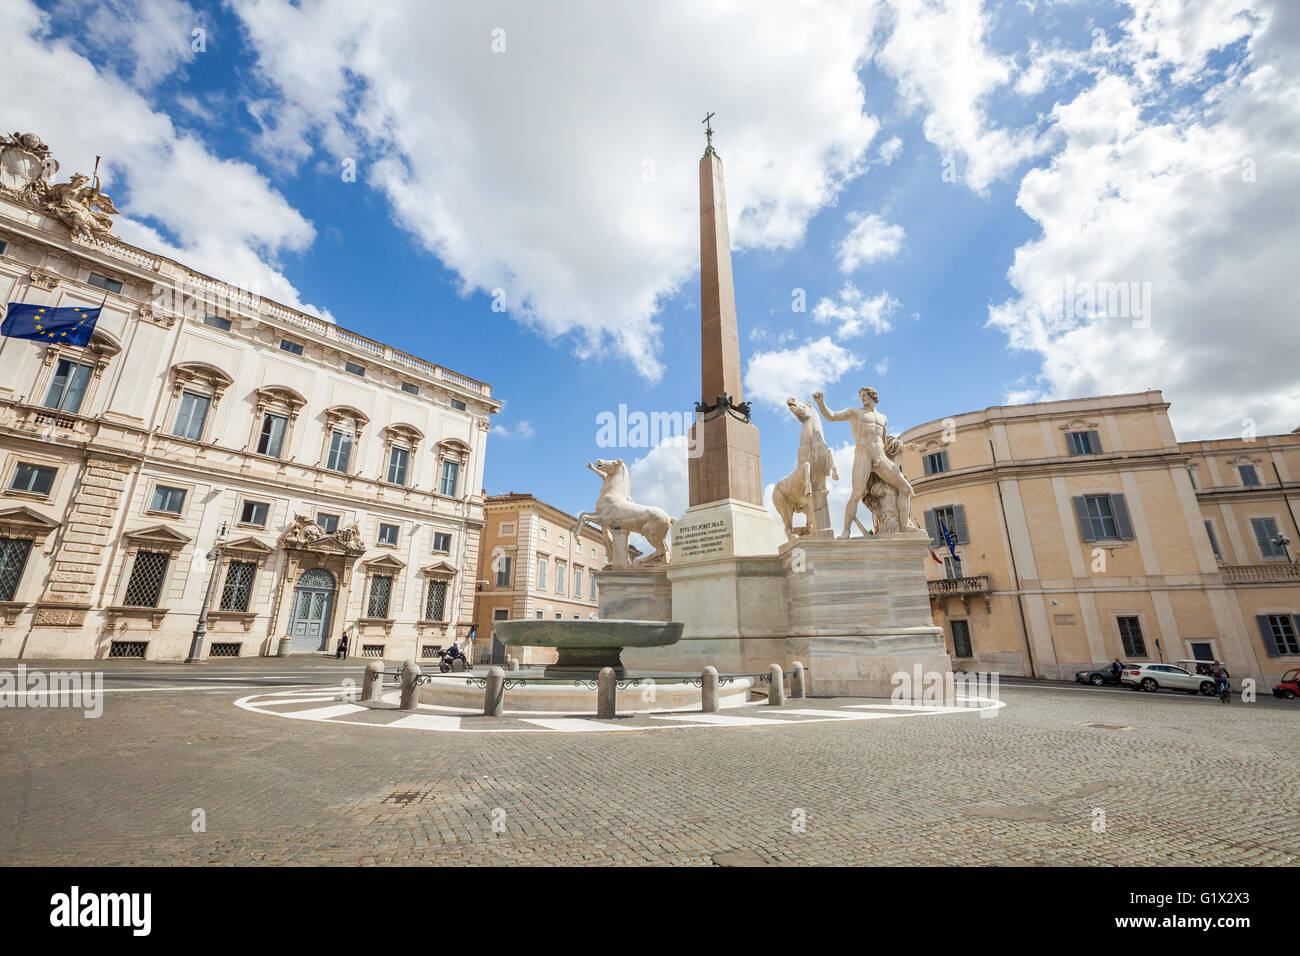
584, 647
598, 633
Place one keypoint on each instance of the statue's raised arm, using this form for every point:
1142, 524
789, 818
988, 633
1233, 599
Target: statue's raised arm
841, 416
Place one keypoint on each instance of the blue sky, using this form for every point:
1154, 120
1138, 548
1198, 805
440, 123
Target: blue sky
1100, 141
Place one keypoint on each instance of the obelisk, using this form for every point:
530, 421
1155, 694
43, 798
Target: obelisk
725, 442
726, 519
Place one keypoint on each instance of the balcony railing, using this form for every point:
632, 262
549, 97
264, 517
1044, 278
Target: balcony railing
977, 584
1280, 573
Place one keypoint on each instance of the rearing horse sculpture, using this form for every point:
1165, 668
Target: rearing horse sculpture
615, 508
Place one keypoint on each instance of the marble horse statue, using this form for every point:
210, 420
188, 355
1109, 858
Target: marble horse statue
615, 510
794, 492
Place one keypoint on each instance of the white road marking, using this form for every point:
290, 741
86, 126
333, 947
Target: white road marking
834, 714
723, 720
323, 713
429, 719
427, 722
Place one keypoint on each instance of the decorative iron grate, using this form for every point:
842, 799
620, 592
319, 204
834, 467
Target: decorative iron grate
13, 558
372, 650
147, 574
225, 649
381, 587
429, 650
127, 648
239, 586
435, 601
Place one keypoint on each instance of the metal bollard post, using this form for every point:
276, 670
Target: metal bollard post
776, 686
709, 690
606, 692
494, 697
372, 686
410, 685
798, 689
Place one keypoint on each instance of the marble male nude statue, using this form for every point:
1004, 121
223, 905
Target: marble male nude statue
869, 455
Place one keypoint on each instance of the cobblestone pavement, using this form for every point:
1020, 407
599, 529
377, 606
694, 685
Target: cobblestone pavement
1174, 779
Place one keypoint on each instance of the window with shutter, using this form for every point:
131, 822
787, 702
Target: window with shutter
935, 462
1214, 542
1281, 633
1083, 443
1265, 531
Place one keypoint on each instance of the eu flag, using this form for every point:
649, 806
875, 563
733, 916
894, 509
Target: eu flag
70, 325
949, 539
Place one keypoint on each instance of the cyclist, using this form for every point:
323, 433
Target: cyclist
1220, 674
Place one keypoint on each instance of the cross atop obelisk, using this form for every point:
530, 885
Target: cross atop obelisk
728, 465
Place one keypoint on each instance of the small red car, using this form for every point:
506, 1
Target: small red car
1289, 686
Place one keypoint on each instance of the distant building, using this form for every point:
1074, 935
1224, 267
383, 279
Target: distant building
532, 567
1086, 531
343, 470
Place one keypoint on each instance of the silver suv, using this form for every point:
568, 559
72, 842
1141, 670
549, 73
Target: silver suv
1168, 677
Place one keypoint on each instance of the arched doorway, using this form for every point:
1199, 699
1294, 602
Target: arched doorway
309, 619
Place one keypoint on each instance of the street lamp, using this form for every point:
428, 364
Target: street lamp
196, 643
1282, 541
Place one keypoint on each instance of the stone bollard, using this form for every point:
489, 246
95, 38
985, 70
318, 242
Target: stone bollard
494, 697
372, 687
514, 663
776, 687
709, 690
410, 685
798, 689
285, 644
606, 692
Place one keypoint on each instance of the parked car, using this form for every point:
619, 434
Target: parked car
1289, 688
1099, 676
1167, 676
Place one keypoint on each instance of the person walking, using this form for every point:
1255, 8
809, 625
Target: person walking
1116, 669
342, 651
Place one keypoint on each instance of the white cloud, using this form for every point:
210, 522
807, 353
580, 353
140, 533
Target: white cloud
660, 477
882, 367
563, 170
870, 240
223, 217
523, 429
772, 377
938, 55
890, 150
855, 313
1170, 201
145, 39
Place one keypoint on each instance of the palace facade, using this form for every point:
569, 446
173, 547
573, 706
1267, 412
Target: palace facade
1086, 531
213, 445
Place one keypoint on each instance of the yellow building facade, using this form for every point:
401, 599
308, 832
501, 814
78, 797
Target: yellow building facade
533, 567
1085, 531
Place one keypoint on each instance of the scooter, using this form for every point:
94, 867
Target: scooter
452, 659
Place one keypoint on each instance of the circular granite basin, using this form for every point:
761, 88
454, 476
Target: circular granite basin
585, 647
